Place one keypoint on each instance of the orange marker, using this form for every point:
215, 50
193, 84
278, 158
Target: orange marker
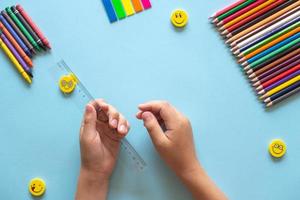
137, 5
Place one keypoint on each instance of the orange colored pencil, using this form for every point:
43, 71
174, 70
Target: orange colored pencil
249, 13
261, 23
16, 45
261, 49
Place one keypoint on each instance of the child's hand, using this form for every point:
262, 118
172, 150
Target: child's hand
101, 132
171, 134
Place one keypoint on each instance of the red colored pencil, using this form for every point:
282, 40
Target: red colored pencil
241, 12
33, 26
254, 16
221, 12
281, 76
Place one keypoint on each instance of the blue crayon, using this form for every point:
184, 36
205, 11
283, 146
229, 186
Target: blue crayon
110, 11
270, 34
273, 48
15, 35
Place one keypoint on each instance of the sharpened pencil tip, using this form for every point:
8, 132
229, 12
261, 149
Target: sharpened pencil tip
225, 32
215, 21
250, 71
251, 76
254, 80
269, 104
263, 97
245, 64
240, 55
233, 44
259, 88
261, 92
220, 23
256, 84
267, 100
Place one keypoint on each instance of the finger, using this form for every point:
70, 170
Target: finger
122, 126
139, 115
111, 113
156, 133
162, 110
88, 128
101, 109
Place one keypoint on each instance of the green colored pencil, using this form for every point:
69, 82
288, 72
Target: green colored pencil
274, 53
232, 11
22, 28
119, 9
273, 37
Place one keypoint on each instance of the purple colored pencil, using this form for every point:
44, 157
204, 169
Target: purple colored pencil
274, 69
16, 54
280, 71
282, 81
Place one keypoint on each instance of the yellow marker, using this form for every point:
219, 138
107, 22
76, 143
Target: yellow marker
67, 83
282, 86
37, 187
277, 148
128, 7
179, 18
14, 61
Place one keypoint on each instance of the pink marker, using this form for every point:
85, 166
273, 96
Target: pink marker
146, 4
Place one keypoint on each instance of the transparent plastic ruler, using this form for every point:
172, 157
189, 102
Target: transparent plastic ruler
82, 96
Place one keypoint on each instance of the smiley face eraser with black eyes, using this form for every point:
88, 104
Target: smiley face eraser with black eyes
179, 18
277, 148
37, 187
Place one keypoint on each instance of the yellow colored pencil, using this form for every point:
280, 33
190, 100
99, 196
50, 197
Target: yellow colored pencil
281, 87
14, 61
128, 7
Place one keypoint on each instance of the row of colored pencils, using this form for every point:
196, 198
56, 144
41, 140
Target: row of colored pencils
20, 39
264, 36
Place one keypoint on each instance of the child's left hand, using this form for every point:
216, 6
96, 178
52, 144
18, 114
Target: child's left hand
101, 132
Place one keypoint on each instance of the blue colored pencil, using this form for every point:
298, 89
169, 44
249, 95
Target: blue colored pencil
270, 34
283, 94
273, 48
15, 35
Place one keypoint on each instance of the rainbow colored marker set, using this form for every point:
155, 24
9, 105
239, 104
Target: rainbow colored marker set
21, 39
120, 9
264, 36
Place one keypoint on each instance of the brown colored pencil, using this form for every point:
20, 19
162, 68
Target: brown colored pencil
261, 23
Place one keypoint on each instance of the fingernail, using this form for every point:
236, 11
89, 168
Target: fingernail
88, 109
114, 123
122, 128
146, 116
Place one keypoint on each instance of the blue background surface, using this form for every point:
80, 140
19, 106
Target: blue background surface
135, 60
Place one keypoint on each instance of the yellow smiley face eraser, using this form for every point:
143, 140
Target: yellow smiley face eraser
37, 187
67, 83
179, 18
277, 148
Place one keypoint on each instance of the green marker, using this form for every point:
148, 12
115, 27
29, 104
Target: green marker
22, 28
119, 9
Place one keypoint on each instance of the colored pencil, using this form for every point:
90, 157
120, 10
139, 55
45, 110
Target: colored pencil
276, 37
15, 35
274, 66
261, 83
146, 4
241, 25
270, 55
290, 62
274, 85
266, 28
255, 20
33, 26
18, 31
281, 75
281, 87
283, 95
137, 5
271, 49
16, 45
237, 49
268, 19
229, 8
28, 27
252, 9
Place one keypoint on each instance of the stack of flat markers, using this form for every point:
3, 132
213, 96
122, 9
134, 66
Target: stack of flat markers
20, 39
264, 37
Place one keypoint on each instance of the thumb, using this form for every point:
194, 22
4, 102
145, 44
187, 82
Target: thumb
88, 127
155, 131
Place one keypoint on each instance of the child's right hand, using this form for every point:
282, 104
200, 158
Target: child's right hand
171, 134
